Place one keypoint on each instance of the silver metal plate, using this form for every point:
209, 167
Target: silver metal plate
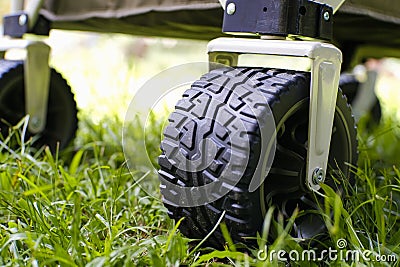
335, 4
223, 3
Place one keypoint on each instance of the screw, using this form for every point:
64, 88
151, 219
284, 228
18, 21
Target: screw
318, 176
23, 19
231, 9
327, 16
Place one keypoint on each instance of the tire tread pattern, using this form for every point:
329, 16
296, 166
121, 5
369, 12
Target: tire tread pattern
241, 206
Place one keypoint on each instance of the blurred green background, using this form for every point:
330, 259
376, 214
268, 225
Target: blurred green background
105, 70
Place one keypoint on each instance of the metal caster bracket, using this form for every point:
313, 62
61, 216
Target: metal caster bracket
325, 73
37, 79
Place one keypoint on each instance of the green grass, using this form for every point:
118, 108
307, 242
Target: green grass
82, 207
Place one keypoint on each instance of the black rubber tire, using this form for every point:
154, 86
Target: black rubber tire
62, 121
350, 87
285, 92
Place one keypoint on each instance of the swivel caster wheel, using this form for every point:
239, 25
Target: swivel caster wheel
287, 94
62, 122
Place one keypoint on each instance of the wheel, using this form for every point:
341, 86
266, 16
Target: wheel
350, 87
287, 93
62, 122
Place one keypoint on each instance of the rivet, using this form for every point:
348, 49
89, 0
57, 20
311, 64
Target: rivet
231, 9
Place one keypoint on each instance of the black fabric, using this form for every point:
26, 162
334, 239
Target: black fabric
188, 24
364, 29
67, 10
207, 24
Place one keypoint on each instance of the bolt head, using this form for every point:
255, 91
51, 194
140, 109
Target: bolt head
318, 176
23, 19
231, 9
327, 16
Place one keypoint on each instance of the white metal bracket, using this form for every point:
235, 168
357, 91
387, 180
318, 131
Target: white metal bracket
36, 79
335, 4
223, 3
325, 73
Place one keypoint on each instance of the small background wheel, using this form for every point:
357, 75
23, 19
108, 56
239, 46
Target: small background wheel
351, 87
62, 122
287, 93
